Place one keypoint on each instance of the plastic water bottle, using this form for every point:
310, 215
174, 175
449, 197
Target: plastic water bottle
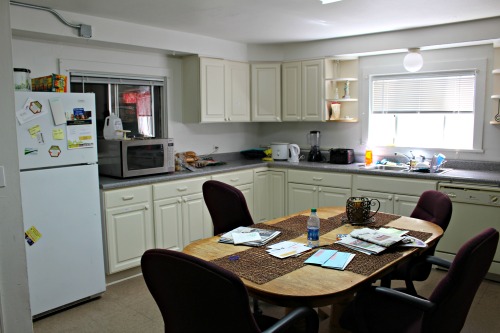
313, 229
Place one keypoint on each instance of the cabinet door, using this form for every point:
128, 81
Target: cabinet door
266, 92
195, 219
247, 190
269, 195
277, 184
262, 205
332, 196
404, 204
130, 232
301, 197
386, 199
212, 90
291, 74
168, 223
237, 91
312, 90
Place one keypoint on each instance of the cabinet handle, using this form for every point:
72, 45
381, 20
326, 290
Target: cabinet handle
319, 189
278, 118
318, 178
182, 189
396, 198
298, 118
184, 199
146, 207
179, 200
234, 179
228, 118
315, 189
389, 197
127, 197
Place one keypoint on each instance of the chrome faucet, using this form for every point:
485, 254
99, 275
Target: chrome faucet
410, 159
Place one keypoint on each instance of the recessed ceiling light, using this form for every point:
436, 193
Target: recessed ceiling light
324, 2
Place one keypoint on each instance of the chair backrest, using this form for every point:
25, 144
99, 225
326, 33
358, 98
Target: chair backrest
185, 288
455, 292
227, 206
434, 206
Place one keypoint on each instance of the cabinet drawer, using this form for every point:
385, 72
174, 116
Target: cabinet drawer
393, 184
320, 178
235, 178
127, 196
178, 188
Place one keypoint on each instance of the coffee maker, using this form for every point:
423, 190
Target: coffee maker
313, 138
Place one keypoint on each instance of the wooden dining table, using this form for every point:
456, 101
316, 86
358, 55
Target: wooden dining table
311, 285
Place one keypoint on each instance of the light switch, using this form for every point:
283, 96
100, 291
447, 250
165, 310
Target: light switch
2, 177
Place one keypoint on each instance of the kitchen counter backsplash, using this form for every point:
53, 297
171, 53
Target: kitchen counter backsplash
482, 173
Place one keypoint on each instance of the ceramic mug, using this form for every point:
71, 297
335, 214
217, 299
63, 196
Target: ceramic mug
358, 209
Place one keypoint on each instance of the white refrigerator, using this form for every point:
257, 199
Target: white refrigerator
56, 137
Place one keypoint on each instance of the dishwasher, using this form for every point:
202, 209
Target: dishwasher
475, 208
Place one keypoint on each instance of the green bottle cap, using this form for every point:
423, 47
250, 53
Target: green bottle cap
313, 210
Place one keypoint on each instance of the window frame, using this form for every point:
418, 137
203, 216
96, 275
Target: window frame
478, 65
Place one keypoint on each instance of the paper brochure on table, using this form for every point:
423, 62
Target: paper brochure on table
378, 237
330, 259
265, 236
287, 249
243, 237
409, 241
360, 245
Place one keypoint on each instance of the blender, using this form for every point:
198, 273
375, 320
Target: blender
314, 153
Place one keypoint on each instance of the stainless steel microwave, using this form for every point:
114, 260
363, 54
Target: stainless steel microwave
132, 158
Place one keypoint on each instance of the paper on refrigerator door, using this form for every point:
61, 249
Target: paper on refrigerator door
56, 106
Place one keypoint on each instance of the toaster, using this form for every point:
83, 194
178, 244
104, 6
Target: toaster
341, 156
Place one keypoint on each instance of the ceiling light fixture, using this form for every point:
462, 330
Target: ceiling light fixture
324, 2
413, 61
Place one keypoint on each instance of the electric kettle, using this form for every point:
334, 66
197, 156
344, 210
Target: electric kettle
293, 153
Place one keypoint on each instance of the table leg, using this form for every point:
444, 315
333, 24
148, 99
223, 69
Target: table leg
336, 312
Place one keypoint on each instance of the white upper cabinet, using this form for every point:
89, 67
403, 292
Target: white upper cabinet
215, 90
266, 92
303, 91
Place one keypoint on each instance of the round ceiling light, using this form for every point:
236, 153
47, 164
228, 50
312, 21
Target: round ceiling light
413, 61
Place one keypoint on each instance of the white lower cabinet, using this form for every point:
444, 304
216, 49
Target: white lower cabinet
310, 189
129, 226
180, 213
242, 180
269, 194
396, 195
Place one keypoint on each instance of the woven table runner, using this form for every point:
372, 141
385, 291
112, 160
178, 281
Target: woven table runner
258, 266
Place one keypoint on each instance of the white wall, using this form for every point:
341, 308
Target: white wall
15, 315
129, 44
353, 135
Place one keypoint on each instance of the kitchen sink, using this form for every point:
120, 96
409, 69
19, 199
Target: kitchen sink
399, 168
385, 167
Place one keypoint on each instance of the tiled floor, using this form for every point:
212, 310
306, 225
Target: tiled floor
128, 307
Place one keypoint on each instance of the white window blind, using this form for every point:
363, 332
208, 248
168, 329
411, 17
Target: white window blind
442, 92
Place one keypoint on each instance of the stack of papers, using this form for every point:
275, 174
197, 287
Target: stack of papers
287, 249
383, 237
330, 259
248, 236
360, 245
371, 241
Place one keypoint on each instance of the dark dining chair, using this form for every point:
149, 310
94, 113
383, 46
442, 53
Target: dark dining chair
228, 209
227, 206
185, 288
380, 309
435, 207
